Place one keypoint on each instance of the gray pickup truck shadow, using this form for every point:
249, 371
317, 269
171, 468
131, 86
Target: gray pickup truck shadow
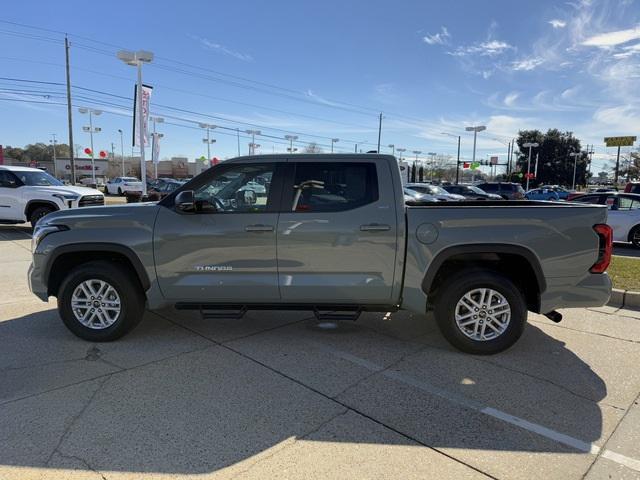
167, 399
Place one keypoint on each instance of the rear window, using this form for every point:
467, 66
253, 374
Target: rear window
333, 186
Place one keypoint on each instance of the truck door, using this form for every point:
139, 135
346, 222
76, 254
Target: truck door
337, 232
10, 206
226, 251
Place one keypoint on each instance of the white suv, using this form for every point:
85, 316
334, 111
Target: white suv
120, 185
28, 194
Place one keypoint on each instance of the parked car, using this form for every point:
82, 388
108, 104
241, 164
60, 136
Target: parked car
471, 192
563, 193
333, 235
624, 214
29, 194
541, 194
435, 191
413, 196
121, 185
507, 190
632, 187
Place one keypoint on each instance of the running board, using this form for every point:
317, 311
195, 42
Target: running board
323, 312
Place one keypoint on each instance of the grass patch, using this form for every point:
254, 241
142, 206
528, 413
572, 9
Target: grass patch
625, 273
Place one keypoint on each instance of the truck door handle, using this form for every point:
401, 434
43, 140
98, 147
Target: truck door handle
374, 227
258, 228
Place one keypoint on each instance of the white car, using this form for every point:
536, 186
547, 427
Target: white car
120, 185
624, 214
28, 194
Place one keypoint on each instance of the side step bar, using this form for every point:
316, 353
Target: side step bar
323, 312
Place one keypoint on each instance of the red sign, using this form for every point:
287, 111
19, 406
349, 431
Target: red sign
530, 176
103, 154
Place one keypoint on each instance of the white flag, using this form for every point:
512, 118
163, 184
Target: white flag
155, 149
146, 100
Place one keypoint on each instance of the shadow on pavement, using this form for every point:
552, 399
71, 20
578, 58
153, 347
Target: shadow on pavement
164, 399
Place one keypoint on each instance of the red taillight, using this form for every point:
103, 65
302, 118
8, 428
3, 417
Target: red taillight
605, 234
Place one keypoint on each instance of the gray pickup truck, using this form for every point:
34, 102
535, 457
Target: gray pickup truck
328, 233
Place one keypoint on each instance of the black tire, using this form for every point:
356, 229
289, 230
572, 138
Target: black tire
119, 191
38, 214
130, 294
453, 290
634, 236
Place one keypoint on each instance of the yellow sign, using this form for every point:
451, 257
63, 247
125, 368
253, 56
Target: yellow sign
619, 141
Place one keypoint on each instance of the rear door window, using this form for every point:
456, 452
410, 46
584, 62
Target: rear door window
333, 186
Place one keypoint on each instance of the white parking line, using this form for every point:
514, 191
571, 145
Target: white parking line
580, 445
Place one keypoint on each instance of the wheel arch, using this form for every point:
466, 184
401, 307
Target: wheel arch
65, 257
33, 204
503, 258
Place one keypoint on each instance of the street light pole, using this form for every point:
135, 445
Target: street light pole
136, 59
393, 149
155, 139
575, 156
54, 154
252, 145
458, 158
475, 131
208, 140
121, 150
401, 150
433, 160
91, 130
334, 140
293, 138
529, 145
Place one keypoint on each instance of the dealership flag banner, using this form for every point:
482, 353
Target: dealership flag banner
155, 149
146, 98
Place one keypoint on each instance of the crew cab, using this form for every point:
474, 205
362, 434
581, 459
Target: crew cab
28, 194
327, 233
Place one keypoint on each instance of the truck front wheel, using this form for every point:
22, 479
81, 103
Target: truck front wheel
480, 311
99, 302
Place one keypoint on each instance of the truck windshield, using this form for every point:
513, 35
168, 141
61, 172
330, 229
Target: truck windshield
38, 179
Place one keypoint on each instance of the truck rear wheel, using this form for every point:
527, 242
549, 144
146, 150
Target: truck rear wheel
99, 302
481, 311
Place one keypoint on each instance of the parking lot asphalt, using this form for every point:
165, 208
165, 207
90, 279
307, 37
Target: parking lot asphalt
274, 396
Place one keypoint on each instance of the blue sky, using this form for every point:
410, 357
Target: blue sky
327, 69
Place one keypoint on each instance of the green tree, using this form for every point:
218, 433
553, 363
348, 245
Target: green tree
555, 163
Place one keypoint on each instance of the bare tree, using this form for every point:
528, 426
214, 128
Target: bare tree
312, 148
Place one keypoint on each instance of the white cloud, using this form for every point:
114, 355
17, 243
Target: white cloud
490, 48
611, 39
209, 45
511, 98
556, 23
527, 64
440, 38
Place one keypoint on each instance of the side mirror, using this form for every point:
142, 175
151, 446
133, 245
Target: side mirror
185, 202
249, 197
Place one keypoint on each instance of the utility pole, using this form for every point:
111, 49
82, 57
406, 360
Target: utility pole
615, 180
121, 150
54, 154
529, 145
379, 131
238, 135
293, 138
252, 145
458, 162
72, 160
333, 141
113, 152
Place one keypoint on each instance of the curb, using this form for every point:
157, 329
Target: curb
624, 299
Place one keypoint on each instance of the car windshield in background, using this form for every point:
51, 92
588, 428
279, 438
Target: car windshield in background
38, 179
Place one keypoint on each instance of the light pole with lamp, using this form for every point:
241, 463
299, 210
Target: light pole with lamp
53, 142
91, 131
252, 145
293, 138
136, 59
121, 150
475, 131
208, 127
153, 149
529, 145
401, 151
415, 163
575, 156
334, 140
393, 149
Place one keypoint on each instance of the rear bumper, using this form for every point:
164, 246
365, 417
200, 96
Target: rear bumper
593, 290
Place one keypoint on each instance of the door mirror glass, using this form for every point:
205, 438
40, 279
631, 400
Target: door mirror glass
184, 202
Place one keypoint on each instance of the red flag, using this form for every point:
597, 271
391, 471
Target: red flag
466, 165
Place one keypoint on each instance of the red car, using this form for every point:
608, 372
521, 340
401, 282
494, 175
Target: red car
632, 187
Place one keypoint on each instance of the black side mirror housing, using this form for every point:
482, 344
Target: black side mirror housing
185, 202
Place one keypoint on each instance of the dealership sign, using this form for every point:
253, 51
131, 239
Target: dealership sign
619, 141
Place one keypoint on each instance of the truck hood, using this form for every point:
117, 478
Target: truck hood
65, 190
115, 216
